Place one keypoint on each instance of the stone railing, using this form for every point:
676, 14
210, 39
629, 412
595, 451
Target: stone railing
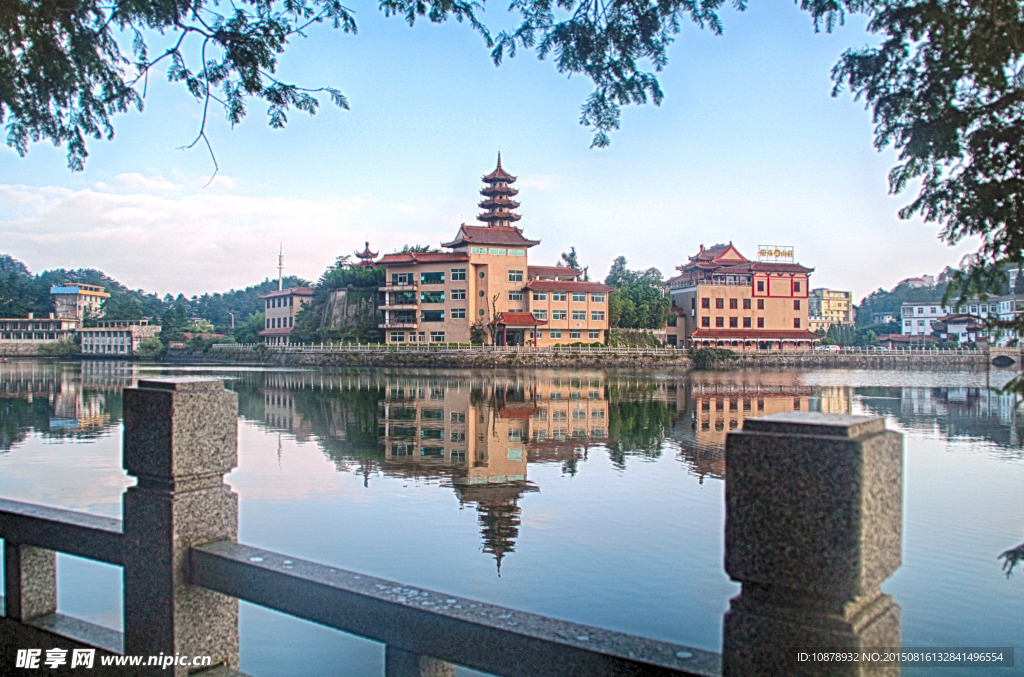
812, 530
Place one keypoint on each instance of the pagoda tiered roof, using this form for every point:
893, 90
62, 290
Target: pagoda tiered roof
510, 236
499, 174
498, 215
367, 257
726, 259
498, 206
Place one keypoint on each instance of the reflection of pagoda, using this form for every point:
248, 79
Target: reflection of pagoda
498, 514
498, 203
366, 257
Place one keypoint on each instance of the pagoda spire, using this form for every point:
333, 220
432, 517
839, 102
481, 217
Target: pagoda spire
366, 257
498, 204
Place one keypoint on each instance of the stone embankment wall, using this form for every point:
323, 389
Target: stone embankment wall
874, 360
461, 360
488, 360
20, 348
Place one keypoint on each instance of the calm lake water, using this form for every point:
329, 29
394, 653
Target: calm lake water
595, 496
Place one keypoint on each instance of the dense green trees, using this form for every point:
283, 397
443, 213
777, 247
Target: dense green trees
638, 300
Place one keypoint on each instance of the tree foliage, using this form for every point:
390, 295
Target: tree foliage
638, 300
66, 68
946, 87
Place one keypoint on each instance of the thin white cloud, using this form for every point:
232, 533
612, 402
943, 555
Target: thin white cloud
156, 234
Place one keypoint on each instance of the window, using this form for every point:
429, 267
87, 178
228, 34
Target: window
796, 287
558, 314
760, 304
597, 298
705, 302
796, 322
719, 303
555, 333
733, 322
760, 285
515, 276
458, 274
597, 315
496, 251
540, 296
540, 314
432, 297
398, 337
746, 322
594, 334
515, 296
558, 296
458, 313
579, 314
432, 278
760, 323
574, 334
437, 337
733, 304
540, 334
517, 252
746, 304
796, 304
458, 417
432, 316
478, 250
705, 321
433, 452
458, 294
719, 321
579, 297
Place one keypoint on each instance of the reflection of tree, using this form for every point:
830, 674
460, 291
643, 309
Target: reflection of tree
636, 428
1011, 558
344, 421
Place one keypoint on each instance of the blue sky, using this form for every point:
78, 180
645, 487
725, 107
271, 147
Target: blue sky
748, 146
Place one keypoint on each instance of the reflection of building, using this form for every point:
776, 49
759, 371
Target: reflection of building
485, 280
280, 309
78, 300
482, 437
116, 337
720, 298
715, 403
280, 413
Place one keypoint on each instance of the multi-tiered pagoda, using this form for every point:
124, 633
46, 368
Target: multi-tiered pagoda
498, 193
366, 258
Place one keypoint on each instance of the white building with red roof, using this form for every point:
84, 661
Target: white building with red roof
486, 282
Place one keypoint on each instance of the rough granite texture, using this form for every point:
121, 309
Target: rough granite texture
180, 438
30, 581
814, 506
180, 429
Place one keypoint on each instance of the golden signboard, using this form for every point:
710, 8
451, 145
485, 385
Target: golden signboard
775, 253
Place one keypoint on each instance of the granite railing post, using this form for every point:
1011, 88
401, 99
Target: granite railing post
180, 438
813, 527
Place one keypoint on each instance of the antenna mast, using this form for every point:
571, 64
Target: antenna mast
280, 268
